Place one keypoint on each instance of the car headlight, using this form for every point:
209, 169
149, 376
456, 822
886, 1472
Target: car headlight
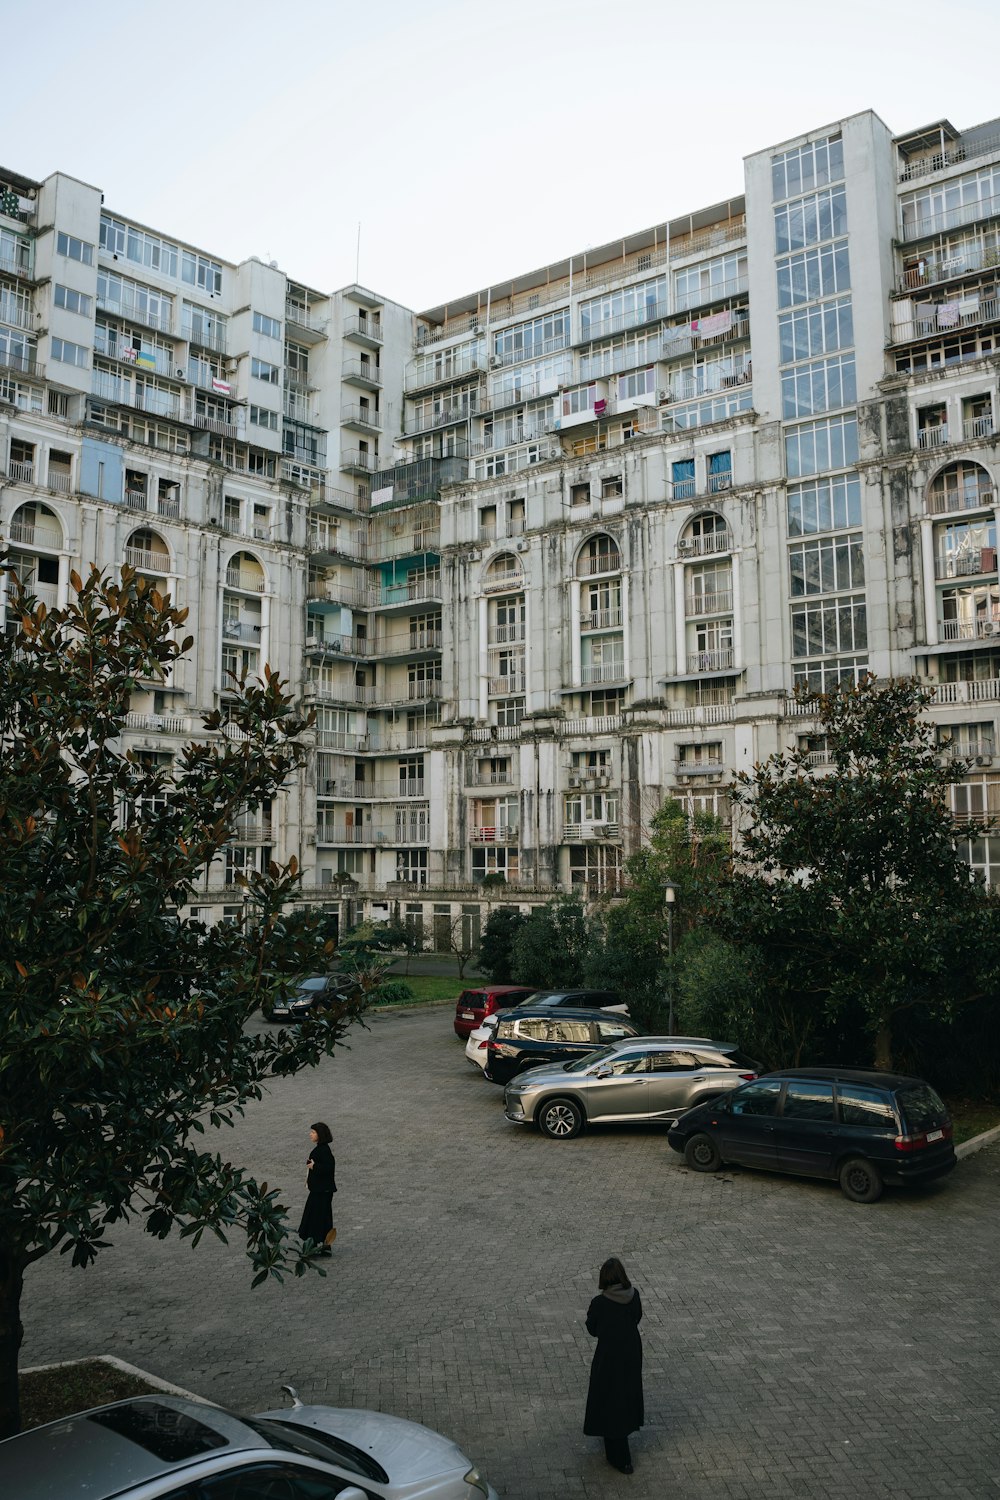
476, 1480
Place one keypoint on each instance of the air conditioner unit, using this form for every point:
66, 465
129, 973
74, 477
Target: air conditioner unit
522, 544
686, 545
984, 760
574, 778
232, 365
181, 373
313, 642
663, 396
474, 556
495, 361
988, 628
603, 780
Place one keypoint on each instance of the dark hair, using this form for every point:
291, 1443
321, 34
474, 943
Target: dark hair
323, 1132
613, 1273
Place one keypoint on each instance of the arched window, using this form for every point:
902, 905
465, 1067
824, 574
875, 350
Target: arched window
244, 572
35, 525
503, 572
147, 551
599, 554
960, 486
706, 534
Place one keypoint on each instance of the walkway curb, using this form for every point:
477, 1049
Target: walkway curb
126, 1369
970, 1147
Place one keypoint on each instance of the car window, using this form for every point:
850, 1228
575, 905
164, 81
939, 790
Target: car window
570, 1031
672, 1061
628, 1062
808, 1100
612, 1031
312, 985
757, 1098
470, 998
532, 1028
170, 1435
271, 1482
869, 1108
592, 1059
922, 1107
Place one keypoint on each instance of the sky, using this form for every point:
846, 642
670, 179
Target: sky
462, 143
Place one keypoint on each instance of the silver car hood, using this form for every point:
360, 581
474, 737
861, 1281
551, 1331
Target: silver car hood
406, 1450
547, 1073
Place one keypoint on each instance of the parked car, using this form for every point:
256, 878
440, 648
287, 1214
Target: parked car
187, 1450
580, 999
313, 994
475, 1047
474, 1005
650, 1078
860, 1127
526, 1038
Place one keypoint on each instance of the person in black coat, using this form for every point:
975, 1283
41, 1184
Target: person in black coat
317, 1216
614, 1399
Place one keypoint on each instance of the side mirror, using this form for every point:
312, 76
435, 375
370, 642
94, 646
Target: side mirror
603, 1071
352, 1493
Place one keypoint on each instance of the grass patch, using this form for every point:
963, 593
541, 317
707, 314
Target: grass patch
971, 1117
47, 1395
427, 987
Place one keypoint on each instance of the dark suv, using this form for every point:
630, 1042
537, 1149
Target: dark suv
525, 1038
862, 1128
578, 999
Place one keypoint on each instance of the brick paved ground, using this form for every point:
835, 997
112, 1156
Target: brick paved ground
796, 1344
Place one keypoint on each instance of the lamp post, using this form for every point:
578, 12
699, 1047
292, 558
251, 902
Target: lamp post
669, 898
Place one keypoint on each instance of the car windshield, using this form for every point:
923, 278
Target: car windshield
310, 986
316, 1444
922, 1107
588, 1060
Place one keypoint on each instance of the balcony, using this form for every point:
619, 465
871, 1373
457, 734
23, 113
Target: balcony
705, 546
122, 393
251, 831
638, 317
491, 778
362, 418
364, 330
15, 261
536, 351
361, 372
603, 671
503, 635
148, 561
952, 218
494, 834
358, 461
392, 835
408, 591
707, 766
600, 619
418, 692
244, 579
604, 562
241, 630
971, 630
975, 257
134, 312
338, 541
15, 314
167, 723
418, 422
424, 373
932, 437
363, 695
967, 497
341, 645
974, 429
506, 686
577, 833
711, 602
60, 480
945, 319
22, 362
701, 296
966, 564
22, 471
421, 480
35, 534
717, 660
230, 426
307, 320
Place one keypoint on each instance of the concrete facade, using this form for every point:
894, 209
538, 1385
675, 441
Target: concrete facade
555, 550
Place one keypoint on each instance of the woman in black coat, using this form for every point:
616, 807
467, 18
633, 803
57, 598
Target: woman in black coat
317, 1216
614, 1400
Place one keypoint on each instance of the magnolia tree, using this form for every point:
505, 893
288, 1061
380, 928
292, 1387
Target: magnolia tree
852, 890
123, 1037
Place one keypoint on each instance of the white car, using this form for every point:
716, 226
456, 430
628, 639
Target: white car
475, 1047
170, 1448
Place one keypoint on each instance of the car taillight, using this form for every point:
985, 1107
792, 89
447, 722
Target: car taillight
492, 1046
748, 1077
918, 1142
481, 1045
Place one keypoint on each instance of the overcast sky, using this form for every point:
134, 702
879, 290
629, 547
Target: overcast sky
472, 142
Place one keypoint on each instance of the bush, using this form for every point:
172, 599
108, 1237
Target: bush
391, 992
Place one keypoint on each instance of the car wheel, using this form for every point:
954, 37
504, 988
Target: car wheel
560, 1119
702, 1154
860, 1181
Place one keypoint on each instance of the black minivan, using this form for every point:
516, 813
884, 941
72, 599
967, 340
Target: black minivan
863, 1128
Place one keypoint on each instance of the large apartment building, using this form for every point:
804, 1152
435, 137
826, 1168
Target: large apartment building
551, 552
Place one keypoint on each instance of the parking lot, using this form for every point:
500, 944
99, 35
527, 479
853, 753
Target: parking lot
795, 1344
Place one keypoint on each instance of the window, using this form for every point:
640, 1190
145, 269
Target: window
809, 1101
611, 486
831, 444
824, 504
807, 166
528, 340
672, 1062
807, 389
579, 494
722, 276
261, 369
813, 274
626, 308
826, 566
682, 482
74, 249
69, 354
757, 1099
509, 710
807, 221
816, 330
197, 271
833, 626
73, 301
269, 327
125, 240
263, 416
869, 1108
720, 471
411, 866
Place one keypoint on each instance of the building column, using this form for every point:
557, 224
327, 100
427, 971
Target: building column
576, 646
680, 620
484, 656
930, 590
626, 632
738, 653
62, 586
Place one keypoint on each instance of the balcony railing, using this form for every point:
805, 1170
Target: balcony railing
35, 534
959, 152
241, 630
699, 296
600, 619
160, 321
60, 481
168, 723
603, 562
123, 393
16, 314
968, 564
575, 833
502, 635
250, 831
506, 687
708, 766
357, 458
500, 582
536, 351
952, 218
494, 834
151, 562
244, 579
975, 428
360, 328
704, 546
22, 471
932, 437
362, 370
361, 416
968, 497
14, 262
603, 671
417, 422
711, 602
426, 372
206, 336
944, 319
491, 778
24, 362
718, 660
971, 630
638, 317
976, 257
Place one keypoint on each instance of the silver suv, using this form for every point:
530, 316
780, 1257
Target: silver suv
635, 1079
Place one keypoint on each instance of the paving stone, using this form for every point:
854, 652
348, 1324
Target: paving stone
795, 1344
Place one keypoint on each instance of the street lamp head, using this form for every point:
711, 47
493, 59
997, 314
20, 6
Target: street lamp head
669, 892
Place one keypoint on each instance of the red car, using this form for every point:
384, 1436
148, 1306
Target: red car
473, 1006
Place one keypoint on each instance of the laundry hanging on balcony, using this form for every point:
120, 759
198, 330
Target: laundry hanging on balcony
719, 322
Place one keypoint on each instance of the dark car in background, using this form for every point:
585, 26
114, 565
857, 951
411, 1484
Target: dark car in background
474, 1005
577, 999
861, 1128
313, 994
526, 1038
